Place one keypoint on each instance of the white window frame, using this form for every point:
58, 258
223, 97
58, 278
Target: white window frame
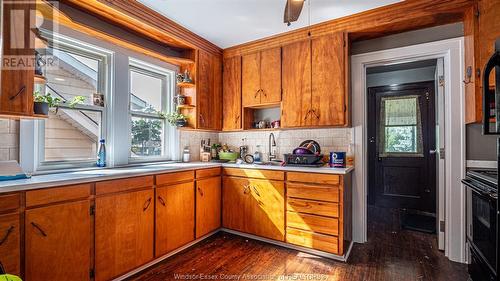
168, 91
32, 132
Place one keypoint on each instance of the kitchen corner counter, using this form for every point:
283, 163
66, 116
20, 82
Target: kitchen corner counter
67, 178
322, 170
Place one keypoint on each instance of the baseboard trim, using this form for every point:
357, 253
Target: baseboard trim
293, 247
151, 263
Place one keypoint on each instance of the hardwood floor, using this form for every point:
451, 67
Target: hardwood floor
390, 254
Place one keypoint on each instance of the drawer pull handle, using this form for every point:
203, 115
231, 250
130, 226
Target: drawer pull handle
39, 229
18, 93
256, 191
146, 204
7, 233
245, 189
200, 191
161, 201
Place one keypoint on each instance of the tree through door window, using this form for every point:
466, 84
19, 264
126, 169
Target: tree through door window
400, 131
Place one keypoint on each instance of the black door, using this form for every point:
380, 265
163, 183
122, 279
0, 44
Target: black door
402, 133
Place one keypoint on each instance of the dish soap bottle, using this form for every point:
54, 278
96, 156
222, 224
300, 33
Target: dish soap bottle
101, 155
256, 154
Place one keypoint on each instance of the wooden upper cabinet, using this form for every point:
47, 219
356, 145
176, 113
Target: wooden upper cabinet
296, 64
174, 217
16, 97
329, 93
261, 77
232, 94
315, 91
10, 243
209, 91
58, 242
208, 205
124, 232
270, 76
250, 79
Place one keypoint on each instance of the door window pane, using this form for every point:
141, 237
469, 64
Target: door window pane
147, 137
400, 129
145, 92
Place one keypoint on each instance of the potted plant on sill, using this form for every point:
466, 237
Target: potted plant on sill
175, 118
42, 103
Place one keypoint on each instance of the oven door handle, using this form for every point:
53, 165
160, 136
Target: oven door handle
477, 190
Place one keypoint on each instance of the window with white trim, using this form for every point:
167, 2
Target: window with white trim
150, 98
70, 136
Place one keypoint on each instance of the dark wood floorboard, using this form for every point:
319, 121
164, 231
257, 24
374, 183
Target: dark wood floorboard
390, 254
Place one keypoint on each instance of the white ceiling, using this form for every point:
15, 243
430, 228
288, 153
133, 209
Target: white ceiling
231, 22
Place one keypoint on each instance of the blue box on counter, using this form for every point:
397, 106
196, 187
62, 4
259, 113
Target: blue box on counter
337, 160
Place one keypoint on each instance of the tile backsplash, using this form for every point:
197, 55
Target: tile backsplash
193, 140
333, 139
9, 140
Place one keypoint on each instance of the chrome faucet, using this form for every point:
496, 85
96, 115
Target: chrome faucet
272, 143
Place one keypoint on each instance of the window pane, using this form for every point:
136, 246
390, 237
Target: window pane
145, 92
401, 111
147, 136
71, 75
401, 139
71, 135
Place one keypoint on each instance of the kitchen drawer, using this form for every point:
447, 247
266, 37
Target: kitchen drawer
206, 173
254, 173
326, 209
10, 202
57, 194
313, 240
324, 225
113, 186
173, 178
313, 178
313, 192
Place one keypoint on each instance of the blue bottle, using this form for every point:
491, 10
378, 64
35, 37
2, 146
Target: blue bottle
101, 155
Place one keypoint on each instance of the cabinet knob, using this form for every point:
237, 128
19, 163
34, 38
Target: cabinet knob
162, 201
200, 191
146, 204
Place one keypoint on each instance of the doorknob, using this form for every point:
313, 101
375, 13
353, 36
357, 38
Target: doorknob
433, 151
371, 139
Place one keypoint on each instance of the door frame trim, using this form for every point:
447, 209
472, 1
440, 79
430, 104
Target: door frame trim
452, 51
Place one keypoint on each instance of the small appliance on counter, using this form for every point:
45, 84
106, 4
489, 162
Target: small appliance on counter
308, 154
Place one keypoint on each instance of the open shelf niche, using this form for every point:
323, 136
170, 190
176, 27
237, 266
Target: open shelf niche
267, 113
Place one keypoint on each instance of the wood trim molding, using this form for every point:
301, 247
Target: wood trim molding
140, 19
386, 20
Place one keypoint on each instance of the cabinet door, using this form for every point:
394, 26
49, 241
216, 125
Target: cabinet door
235, 203
10, 243
174, 217
16, 96
123, 232
296, 63
266, 215
232, 94
270, 76
208, 205
209, 91
250, 79
489, 31
329, 80
58, 242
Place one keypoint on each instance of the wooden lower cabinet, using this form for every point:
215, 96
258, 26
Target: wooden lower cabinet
124, 232
58, 242
208, 205
254, 206
174, 217
10, 243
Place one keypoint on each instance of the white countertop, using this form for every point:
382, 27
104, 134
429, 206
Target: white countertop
58, 179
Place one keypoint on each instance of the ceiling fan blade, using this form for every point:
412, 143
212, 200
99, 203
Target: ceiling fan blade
292, 10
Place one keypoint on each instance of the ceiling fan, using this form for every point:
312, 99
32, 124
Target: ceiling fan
292, 11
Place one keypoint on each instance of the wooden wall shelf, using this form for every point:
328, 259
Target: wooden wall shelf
185, 106
39, 79
185, 85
